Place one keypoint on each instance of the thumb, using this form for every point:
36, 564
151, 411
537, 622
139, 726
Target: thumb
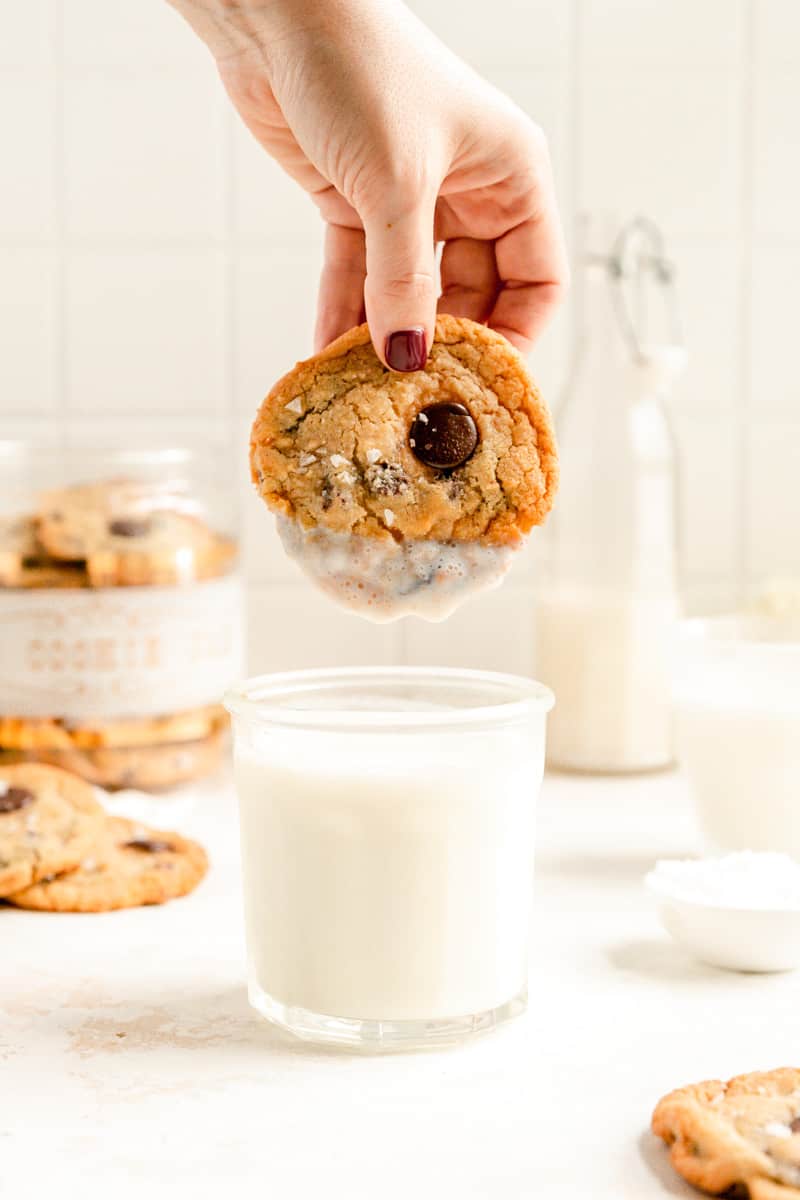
400, 289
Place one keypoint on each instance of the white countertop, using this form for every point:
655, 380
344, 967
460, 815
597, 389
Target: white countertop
129, 1055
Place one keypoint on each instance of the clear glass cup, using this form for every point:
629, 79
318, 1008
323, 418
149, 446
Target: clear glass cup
387, 838
736, 687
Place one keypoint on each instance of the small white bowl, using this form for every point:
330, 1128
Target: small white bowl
737, 939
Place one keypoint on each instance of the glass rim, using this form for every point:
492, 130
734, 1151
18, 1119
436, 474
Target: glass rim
258, 699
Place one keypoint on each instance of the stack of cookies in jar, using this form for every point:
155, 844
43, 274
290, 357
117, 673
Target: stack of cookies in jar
120, 613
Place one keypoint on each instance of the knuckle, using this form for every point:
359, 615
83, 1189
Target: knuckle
534, 140
396, 187
405, 285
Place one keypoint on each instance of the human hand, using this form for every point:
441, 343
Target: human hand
401, 146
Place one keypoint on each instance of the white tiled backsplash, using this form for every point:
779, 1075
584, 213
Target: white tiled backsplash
156, 267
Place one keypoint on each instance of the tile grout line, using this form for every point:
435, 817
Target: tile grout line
575, 123
61, 354
230, 315
746, 235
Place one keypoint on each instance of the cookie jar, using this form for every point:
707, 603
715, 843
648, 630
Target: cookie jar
120, 611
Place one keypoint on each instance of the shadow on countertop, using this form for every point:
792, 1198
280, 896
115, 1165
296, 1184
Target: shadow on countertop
654, 1154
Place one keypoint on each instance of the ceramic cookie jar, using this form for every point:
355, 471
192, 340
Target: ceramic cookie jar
120, 611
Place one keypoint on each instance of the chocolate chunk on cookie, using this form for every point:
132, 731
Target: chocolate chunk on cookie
378, 440
744, 1134
128, 865
48, 823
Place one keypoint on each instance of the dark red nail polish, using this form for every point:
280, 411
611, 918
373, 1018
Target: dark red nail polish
407, 349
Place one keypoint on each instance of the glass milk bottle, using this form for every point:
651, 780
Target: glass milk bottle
609, 599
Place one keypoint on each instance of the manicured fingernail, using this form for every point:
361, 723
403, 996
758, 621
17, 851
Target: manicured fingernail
407, 349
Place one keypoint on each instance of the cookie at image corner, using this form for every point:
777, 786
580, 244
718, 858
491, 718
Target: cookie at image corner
49, 821
129, 865
462, 451
741, 1135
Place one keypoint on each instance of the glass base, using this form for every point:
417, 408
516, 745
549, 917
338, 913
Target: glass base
383, 1035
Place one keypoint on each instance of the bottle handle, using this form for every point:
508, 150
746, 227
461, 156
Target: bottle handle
637, 259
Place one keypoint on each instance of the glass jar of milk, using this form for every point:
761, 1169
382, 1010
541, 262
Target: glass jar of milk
607, 603
387, 842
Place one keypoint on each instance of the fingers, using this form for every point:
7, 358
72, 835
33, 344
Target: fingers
401, 287
470, 281
531, 290
341, 286
532, 266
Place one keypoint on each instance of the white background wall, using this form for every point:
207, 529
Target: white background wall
157, 270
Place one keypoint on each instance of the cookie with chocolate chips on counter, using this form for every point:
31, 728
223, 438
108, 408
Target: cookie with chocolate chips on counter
741, 1136
128, 535
49, 821
128, 865
404, 492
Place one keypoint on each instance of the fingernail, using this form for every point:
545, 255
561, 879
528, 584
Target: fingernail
407, 349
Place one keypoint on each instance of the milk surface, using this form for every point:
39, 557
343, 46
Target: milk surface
389, 881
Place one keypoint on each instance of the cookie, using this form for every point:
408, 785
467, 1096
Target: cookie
48, 822
31, 733
742, 1134
128, 865
463, 450
24, 563
149, 768
128, 536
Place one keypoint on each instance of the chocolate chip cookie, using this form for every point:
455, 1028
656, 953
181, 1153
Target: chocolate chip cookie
48, 822
463, 450
24, 562
744, 1134
128, 536
150, 768
35, 733
404, 493
129, 865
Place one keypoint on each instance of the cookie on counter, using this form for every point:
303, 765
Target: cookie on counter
129, 865
389, 484
744, 1134
128, 535
49, 821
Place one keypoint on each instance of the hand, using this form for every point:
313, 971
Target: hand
401, 146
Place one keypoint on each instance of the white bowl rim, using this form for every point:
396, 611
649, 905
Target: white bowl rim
665, 894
